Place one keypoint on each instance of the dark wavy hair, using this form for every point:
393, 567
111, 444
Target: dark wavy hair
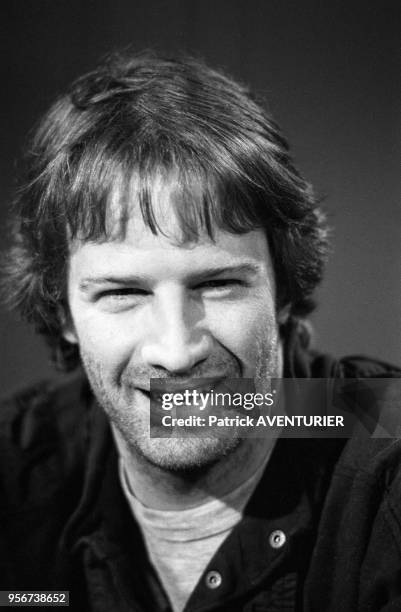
138, 115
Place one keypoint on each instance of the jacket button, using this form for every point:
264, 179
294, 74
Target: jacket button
277, 538
213, 579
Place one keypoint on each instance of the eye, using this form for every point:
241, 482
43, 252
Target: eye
220, 285
122, 292
120, 298
221, 282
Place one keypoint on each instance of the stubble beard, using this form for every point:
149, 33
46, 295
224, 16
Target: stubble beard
181, 455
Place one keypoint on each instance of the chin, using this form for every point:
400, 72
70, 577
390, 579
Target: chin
189, 455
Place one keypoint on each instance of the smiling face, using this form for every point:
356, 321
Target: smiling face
145, 306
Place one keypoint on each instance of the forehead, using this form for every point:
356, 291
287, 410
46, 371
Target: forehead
132, 246
160, 198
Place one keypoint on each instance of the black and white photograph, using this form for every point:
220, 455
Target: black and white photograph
200, 306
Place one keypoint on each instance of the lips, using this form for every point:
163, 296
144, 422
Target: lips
156, 391
158, 386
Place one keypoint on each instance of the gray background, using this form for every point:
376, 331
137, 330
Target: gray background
331, 73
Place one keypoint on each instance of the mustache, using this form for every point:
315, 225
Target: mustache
216, 366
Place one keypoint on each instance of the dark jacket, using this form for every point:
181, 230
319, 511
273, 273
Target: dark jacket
321, 532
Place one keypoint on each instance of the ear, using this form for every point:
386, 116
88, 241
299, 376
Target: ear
70, 335
67, 326
283, 314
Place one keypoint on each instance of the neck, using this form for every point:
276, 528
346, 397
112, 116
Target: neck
164, 489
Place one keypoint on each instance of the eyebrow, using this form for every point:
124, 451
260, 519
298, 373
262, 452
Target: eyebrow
249, 269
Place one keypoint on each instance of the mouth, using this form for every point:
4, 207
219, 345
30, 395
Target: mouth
158, 387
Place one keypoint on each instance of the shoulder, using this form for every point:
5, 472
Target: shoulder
40, 414
42, 438
360, 366
351, 366
372, 390
359, 538
43, 441
367, 473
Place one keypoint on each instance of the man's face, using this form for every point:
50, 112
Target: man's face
148, 305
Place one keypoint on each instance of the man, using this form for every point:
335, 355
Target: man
164, 233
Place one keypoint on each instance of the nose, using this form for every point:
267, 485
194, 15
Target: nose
174, 342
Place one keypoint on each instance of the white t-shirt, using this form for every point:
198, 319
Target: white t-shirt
181, 543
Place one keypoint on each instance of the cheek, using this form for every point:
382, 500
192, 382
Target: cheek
105, 341
242, 328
